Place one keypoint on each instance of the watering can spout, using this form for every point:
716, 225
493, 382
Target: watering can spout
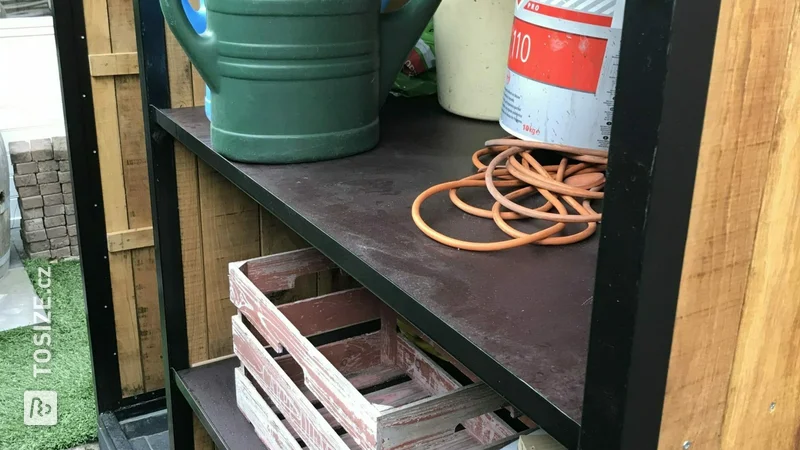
400, 31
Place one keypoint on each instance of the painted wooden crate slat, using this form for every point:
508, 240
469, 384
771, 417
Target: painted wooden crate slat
295, 382
268, 426
328, 385
299, 412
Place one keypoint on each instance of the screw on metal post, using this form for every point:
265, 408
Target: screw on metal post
687, 445
772, 406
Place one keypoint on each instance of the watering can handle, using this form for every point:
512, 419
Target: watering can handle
201, 48
196, 17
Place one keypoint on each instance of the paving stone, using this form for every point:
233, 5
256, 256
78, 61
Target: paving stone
20, 152
66, 188
55, 210
45, 255
64, 177
64, 166
59, 143
60, 151
70, 217
59, 242
53, 199
28, 191
73, 240
34, 236
55, 221
25, 180
56, 232
74, 250
50, 188
35, 213
32, 225
47, 177
42, 149
69, 209
39, 246
26, 168
62, 252
72, 230
69, 199
48, 166
31, 202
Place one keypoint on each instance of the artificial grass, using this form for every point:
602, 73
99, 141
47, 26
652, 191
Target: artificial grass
71, 370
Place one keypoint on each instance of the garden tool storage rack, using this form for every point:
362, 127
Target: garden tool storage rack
605, 343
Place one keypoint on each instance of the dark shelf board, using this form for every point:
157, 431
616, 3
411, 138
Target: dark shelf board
211, 392
519, 319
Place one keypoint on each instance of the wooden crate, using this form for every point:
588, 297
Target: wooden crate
377, 388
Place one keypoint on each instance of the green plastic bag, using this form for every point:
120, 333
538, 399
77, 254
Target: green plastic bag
418, 75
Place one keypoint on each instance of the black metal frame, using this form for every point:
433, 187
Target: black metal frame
663, 82
79, 114
70, 35
151, 42
664, 74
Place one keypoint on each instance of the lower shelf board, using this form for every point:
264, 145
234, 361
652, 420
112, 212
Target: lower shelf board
210, 390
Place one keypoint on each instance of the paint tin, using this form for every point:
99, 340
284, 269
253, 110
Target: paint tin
562, 71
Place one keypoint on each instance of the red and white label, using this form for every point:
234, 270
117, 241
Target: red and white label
569, 14
557, 58
562, 71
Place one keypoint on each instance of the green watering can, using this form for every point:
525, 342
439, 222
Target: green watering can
298, 80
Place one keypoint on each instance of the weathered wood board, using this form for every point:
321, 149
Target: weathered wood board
734, 377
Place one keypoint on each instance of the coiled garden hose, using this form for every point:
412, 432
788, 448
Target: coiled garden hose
579, 175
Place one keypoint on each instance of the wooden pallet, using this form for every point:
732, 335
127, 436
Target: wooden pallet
371, 391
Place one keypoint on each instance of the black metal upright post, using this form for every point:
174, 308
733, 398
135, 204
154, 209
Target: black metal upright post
76, 89
151, 40
664, 73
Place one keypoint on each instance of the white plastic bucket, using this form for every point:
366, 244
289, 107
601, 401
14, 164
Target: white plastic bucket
471, 42
562, 71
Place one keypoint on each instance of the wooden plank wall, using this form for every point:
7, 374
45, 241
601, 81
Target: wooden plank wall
734, 376
219, 224
111, 40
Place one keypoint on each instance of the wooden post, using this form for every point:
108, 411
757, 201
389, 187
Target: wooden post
733, 374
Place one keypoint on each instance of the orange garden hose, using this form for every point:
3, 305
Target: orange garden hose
579, 175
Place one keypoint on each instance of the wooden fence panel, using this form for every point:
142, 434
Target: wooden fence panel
137, 194
100, 15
